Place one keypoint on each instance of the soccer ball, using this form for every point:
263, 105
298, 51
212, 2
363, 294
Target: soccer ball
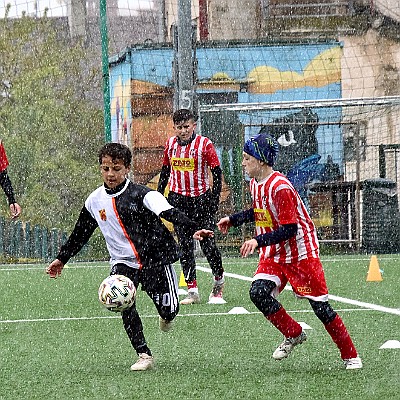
117, 293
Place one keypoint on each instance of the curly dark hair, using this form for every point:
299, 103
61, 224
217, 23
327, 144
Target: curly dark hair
116, 151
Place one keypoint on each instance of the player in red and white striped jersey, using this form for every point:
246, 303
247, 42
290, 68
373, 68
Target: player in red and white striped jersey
188, 157
6, 185
280, 193
287, 243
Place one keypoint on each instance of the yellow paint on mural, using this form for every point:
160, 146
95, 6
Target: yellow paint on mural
266, 79
323, 70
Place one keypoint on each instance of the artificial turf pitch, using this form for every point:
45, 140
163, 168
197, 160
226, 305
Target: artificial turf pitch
58, 342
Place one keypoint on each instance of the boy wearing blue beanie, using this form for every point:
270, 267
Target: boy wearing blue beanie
287, 243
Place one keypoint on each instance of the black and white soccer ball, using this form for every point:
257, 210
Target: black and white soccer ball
117, 293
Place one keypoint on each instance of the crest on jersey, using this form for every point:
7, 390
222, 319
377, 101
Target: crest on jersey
103, 215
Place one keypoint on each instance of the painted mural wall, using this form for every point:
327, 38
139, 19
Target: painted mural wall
142, 94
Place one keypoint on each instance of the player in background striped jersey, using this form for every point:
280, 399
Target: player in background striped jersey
287, 244
188, 156
5, 183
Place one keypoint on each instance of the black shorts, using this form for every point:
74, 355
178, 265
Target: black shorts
197, 208
159, 282
151, 279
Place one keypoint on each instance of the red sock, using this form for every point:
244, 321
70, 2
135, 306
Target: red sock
192, 285
285, 323
341, 337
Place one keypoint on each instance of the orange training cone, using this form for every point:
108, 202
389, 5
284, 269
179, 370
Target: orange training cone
182, 281
374, 272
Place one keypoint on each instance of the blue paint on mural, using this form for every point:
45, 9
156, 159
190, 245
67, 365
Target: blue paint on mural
254, 74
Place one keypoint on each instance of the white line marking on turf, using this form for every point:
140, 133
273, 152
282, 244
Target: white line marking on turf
9, 321
371, 306
104, 264
205, 314
365, 306
23, 267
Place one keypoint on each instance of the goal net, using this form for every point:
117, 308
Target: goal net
341, 155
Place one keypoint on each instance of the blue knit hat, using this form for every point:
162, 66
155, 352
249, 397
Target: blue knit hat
263, 147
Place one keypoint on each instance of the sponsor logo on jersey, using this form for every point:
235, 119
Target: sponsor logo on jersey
182, 164
262, 218
303, 289
103, 215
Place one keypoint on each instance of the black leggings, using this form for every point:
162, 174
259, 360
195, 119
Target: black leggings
198, 210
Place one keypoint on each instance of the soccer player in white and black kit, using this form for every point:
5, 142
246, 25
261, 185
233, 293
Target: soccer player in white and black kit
140, 245
188, 157
287, 243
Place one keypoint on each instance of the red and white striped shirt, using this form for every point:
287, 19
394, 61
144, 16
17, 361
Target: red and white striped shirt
276, 202
189, 165
3, 157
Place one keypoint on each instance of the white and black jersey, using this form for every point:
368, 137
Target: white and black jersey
130, 220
